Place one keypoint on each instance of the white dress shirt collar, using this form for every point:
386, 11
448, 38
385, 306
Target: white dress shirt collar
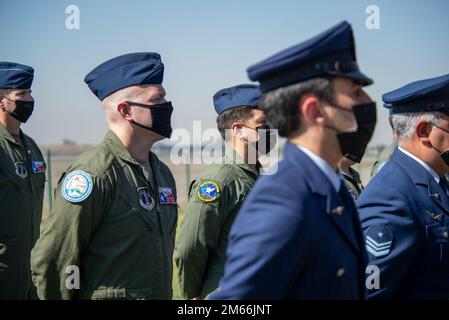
333, 176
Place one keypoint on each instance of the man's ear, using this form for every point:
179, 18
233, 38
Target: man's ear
124, 110
235, 129
310, 110
2, 103
422, 130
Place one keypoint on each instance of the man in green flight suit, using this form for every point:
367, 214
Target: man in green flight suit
351, 177
22, 181
111, 232
366, 117
216, 195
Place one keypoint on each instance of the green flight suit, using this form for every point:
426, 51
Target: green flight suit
22, 182
121, 236
383, 157
353, 183
200, 250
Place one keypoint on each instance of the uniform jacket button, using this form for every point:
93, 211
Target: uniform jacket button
340, 272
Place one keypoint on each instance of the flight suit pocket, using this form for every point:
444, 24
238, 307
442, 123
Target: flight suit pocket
143, 208
169, 217
7, 244
11, 265
148, 217
40, 177
437, 235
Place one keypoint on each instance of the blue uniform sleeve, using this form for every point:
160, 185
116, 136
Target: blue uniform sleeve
388, 224
268, 230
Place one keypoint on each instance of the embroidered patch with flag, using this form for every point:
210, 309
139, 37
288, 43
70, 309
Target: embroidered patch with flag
77, 186
145, 199
21, 169
166, 196
378, 240
208, 191
38, 166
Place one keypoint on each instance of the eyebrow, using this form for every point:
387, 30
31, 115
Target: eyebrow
158, 98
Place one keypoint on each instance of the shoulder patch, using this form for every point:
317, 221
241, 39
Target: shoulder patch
379, 240
21, 169
208, 191
77, 186
145, 199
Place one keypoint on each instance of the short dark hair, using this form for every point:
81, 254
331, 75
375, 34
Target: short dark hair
281, 105
230, 116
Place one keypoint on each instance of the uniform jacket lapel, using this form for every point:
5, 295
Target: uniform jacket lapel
419, 175
338, 210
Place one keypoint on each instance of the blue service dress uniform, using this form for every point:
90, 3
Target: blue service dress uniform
405, 218
295, 237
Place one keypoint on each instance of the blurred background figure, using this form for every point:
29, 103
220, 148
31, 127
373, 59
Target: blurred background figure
22, 182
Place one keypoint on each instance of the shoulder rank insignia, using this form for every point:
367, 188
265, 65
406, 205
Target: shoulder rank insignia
76, 186
208, 191
379, 240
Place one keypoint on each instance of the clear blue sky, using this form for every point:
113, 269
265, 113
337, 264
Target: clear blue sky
206, 45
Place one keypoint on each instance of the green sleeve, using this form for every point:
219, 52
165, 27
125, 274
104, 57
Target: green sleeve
198, 236
65, 235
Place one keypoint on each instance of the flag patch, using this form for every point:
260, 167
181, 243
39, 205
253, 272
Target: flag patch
38, 166
166, 196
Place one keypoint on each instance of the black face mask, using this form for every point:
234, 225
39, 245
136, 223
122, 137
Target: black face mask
353, 144
161, 115
22, 111
266, 140
443, 154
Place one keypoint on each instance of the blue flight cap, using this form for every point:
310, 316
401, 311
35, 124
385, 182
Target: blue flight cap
421, 96
247, 95
331, 53
131, 69
15, 75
